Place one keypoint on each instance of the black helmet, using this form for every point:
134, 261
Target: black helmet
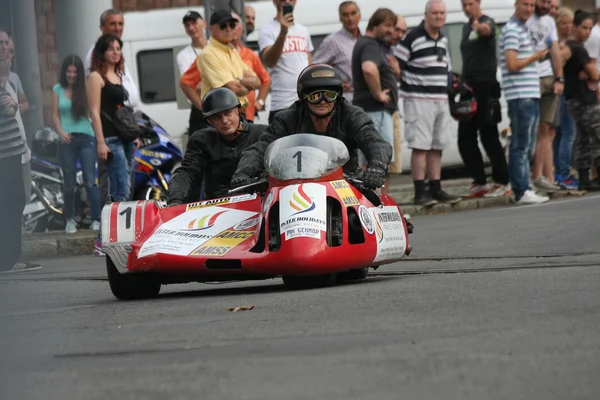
465, 108
219, 100
319, 77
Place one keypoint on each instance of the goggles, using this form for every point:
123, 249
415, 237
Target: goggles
316, 97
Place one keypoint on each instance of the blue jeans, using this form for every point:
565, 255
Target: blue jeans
82, 147
563, 141
119, 168
524, 116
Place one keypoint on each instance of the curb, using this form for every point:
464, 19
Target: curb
464, 205
53, 245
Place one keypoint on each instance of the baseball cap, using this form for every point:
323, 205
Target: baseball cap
191, 15
220, 16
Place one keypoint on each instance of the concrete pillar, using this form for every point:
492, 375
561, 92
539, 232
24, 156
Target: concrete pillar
77, 25
24, 30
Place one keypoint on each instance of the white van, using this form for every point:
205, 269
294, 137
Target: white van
153, 38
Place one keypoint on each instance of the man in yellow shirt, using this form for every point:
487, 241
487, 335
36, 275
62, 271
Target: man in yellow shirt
220, 64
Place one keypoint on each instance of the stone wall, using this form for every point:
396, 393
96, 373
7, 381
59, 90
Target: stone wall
48, 53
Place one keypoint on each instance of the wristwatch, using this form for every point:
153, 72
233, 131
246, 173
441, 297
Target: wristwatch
560, 79
261, 102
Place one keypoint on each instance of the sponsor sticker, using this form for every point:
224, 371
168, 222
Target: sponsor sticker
366, 219
184, 233
391, 238
268, 202
245, 225
345, 192
220, 202
303, 210
222, 243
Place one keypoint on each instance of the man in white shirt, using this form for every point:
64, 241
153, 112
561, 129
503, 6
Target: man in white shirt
542, 32
593, 44
194, 27
286, 49
112, 21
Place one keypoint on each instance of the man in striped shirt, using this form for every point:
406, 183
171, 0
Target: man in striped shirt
425, 65
12, 148
520, 81
336, 49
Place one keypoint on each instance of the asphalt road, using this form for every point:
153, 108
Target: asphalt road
494, 304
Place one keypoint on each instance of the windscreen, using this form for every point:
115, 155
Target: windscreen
304, 156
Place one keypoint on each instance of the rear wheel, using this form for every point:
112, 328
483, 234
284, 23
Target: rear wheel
309, 282
355, 274
131, 286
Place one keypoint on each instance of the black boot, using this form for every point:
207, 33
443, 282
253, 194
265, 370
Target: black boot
585, 183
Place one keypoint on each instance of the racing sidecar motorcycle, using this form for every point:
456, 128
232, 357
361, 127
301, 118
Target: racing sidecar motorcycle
311, 226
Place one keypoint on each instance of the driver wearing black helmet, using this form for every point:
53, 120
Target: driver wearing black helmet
322, 109
214, 152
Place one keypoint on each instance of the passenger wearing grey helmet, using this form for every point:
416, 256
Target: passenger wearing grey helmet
214, 152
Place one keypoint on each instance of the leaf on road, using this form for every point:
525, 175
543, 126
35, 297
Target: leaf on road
240, 308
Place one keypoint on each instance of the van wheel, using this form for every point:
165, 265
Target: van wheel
131, 286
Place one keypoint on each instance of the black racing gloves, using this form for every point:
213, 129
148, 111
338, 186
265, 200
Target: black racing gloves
374, 176
239, 181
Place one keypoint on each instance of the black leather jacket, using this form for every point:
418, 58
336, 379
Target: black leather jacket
209, 154
348, 123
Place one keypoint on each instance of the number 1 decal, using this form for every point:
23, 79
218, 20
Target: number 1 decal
127, 212
299, 163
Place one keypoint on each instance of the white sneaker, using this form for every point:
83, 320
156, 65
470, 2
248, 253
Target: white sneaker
530, 197
71, 226
96, 226
476, 191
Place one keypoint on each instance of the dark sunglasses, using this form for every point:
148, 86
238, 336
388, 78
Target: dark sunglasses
318, 96
230, 24
440, 54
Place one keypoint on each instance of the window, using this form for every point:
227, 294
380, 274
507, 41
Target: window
156, 70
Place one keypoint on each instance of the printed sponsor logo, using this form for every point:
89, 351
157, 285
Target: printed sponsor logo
301, 202
220, 202
366, 219
205, 222
244, 225
222, 243
268, 202
345, 192
379, 231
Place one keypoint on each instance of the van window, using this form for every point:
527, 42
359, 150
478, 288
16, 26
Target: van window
156, 71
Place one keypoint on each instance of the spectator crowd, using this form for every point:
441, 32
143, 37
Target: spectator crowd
549, 58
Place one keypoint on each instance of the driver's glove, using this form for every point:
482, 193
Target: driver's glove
174, 203
240, 180
374, 176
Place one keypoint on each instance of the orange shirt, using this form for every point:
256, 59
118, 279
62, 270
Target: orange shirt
192, 77
253, 62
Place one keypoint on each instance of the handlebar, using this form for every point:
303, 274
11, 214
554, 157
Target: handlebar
237, 189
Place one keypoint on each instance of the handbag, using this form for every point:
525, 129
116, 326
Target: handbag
124, 121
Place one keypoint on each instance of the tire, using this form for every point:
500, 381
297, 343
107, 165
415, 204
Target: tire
309, 282
131, 286
355, 274
38, 226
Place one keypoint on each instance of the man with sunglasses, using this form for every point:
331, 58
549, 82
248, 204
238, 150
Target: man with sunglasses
321, 109
213, 152
221, 65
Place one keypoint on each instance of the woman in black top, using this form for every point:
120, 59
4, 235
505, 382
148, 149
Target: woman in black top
582, 100
106, 93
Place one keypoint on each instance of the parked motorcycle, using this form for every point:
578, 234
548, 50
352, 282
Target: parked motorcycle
154, 162
45, 209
